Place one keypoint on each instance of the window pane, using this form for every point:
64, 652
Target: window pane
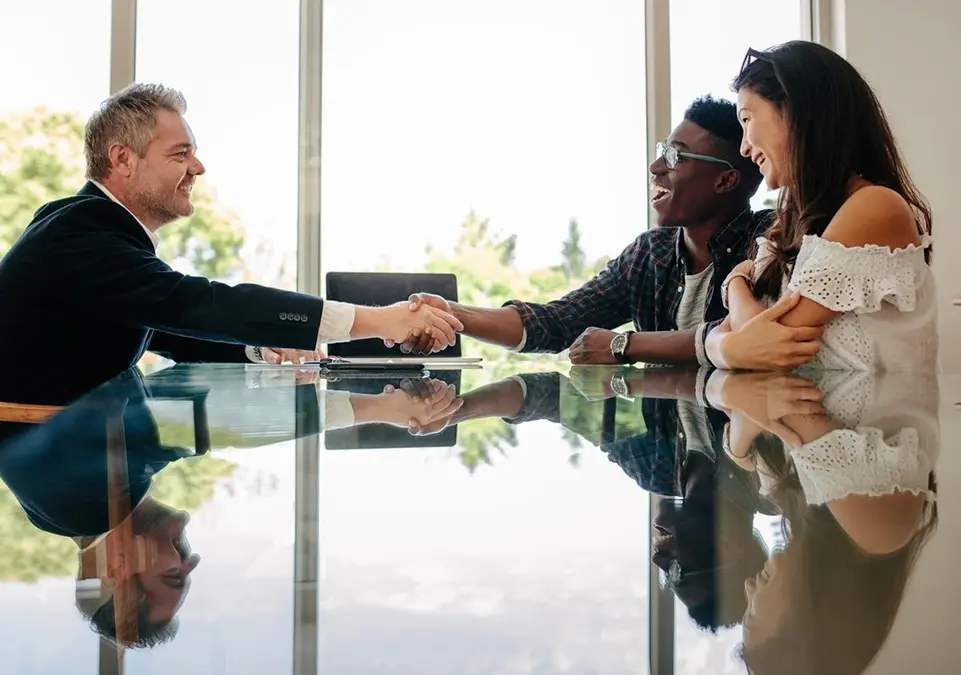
483, 130
56, 69
47, 94
238, 69
708, 43
237, 65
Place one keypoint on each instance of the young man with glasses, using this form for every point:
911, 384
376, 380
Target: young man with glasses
668, 282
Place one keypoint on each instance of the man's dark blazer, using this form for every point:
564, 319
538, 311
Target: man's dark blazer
83, 295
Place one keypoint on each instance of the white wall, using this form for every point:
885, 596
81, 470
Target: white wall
910, 51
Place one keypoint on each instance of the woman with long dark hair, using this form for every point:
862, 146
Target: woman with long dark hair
850, 248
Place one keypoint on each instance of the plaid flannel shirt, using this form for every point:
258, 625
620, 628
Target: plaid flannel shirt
644, 283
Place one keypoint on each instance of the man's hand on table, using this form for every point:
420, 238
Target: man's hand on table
594, 382
593, 347
278, 356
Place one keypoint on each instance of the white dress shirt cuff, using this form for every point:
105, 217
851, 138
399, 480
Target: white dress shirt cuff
338, 412
335, 322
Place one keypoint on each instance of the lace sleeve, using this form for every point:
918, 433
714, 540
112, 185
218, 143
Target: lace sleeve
862, 461
860, 278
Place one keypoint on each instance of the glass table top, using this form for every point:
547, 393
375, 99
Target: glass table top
517, 518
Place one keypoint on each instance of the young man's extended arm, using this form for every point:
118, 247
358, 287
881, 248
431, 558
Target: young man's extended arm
604, 301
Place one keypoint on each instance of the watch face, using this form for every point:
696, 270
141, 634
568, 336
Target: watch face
619, 343
619, 386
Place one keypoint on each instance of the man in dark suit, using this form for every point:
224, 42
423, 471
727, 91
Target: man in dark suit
84, 278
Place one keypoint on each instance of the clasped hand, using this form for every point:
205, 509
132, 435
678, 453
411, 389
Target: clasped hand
419, 340
422, 323
418, 403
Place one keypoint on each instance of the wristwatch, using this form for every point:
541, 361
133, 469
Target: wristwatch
619, 346
620, 386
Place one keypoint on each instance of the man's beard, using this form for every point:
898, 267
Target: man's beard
153, 204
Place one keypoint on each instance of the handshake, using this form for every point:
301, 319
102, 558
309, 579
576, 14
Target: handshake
428, 327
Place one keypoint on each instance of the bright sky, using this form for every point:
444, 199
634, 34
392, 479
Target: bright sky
530, 112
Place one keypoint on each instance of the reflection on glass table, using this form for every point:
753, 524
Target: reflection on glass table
493, 525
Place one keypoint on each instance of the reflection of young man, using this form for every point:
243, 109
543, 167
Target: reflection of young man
668, 281
704, 539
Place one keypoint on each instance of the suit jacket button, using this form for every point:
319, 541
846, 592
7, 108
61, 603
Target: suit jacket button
303, 317
283, 316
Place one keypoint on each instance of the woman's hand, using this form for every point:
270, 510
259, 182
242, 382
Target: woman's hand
766, 398
763, 343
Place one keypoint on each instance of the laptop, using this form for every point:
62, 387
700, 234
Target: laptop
384, 288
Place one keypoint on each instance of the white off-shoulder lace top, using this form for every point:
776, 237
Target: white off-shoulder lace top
891, 441
887, 300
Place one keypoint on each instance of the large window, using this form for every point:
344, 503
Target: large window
238, 68
502, 140
708, 41
56, 69
56, 56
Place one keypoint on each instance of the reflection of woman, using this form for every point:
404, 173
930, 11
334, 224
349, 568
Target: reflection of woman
852, 232
856, 487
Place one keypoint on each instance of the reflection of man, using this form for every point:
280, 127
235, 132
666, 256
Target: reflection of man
135, 562
68, 484
84, 278
668, 281
155, 563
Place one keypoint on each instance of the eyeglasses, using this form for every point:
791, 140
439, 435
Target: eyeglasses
752, 56
672, 156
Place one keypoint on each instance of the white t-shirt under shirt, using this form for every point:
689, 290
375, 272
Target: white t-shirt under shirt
690, 314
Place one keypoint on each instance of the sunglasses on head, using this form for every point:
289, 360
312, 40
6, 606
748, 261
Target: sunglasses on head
752, 56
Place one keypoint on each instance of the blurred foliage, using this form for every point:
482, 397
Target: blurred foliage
29, 554
483, 260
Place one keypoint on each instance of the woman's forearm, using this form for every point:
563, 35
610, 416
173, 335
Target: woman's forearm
743, 305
